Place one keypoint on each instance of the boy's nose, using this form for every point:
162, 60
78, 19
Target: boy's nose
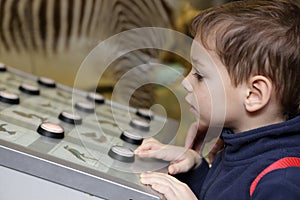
187, 85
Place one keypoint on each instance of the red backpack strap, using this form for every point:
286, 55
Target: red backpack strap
279, 164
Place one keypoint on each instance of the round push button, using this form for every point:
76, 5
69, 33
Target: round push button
71, 118
121, 154
85, 107
95, 97
8, 97
145, 113
2, 67
131, 137
29, 89
140, 124
47, 82
51, 130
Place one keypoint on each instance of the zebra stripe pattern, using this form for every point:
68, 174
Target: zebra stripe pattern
52, 34
53, 25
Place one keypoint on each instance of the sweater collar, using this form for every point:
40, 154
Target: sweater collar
244, 145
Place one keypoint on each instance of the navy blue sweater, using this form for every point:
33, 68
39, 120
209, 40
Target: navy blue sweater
245, 155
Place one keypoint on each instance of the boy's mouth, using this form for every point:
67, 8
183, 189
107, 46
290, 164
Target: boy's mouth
193, 109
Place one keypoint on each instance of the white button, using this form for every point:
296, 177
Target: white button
71, 118
8, 97
47, 82
54, 128
122, 154
85, 107
95, 97
139, 124
131, 137
2, 67
29, 89
51, 130
145, 113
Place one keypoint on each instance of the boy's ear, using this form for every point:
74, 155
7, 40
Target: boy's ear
258, 93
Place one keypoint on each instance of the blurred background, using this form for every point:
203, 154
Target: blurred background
51, 38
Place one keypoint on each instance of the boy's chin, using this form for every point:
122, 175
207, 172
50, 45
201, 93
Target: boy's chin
195, 113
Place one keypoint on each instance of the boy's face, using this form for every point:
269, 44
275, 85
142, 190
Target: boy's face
211, 95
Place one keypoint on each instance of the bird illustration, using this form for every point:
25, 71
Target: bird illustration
30, 116
77, 154
49, 105
64, 95
94, 136
5, 130
108, 122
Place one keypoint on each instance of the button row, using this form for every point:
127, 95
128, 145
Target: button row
56, 131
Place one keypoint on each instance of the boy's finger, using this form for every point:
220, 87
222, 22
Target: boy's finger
192, 132
162, 183
218, 146
195, 137
158, 178
146, 145
179, 167
147, 154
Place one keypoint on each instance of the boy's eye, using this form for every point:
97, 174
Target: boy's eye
198, 76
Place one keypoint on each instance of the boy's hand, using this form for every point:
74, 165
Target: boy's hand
194, 140
167, 185
218, 146
182, 159
195, 136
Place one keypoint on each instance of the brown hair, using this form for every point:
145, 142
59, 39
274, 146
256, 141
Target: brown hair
257, 37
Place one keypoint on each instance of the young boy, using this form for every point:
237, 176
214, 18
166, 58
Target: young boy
252, 47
